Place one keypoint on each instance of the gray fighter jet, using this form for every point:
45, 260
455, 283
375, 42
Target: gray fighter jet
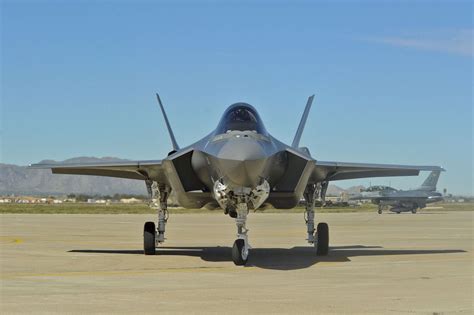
238, 166
403, 200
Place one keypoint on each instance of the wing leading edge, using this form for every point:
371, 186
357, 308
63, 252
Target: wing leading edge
329, 171
128, 169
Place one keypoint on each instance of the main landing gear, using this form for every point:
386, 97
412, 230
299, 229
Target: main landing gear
153, 236
380, 209
319, 237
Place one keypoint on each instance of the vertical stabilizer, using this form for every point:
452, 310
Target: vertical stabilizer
170, 131
299, 132
431, 181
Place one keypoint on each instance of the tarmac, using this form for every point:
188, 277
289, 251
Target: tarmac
389, 263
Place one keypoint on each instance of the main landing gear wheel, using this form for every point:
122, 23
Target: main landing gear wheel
413, 211
149, 232
322, 239
380, 209
240, 252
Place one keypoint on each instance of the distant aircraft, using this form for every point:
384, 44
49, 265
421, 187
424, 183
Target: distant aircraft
403, 200
238, 166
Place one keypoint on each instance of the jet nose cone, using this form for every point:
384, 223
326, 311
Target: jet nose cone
243, 162
242, 149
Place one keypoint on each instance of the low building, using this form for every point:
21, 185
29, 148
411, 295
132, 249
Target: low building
130, 200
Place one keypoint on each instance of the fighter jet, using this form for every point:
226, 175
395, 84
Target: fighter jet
403, 200
238, 166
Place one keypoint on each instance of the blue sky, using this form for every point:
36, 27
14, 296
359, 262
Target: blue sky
393, 81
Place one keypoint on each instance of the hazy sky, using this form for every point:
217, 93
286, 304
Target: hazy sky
393, 81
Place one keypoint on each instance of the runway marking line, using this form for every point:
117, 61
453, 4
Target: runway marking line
10, 240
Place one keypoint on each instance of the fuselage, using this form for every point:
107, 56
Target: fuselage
241, 155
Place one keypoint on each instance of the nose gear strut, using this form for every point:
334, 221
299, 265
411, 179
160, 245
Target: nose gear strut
240, 250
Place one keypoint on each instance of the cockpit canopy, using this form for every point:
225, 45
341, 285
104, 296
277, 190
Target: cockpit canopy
241, 117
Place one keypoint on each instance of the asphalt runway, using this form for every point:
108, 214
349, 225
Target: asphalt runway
390, 263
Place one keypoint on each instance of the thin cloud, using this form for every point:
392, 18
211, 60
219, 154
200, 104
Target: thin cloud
458, 42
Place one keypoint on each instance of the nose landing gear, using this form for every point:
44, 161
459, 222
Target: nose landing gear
240, 250
236, 200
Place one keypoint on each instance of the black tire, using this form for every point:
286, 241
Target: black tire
149, 232
322, 242
413, 211
238, 256
380, 211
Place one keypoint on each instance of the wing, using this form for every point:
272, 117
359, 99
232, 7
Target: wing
329, 171
127, 169
400, 198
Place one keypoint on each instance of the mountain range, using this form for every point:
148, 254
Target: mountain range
19, 180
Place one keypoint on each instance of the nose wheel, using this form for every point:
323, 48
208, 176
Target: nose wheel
240, 252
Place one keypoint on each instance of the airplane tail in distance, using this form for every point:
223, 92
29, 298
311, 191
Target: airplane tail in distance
299, 132
431, 181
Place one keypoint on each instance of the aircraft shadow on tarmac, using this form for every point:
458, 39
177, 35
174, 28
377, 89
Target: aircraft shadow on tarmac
277, 258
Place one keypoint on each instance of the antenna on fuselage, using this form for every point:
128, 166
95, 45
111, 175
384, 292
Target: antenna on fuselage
299, 131
170, 131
